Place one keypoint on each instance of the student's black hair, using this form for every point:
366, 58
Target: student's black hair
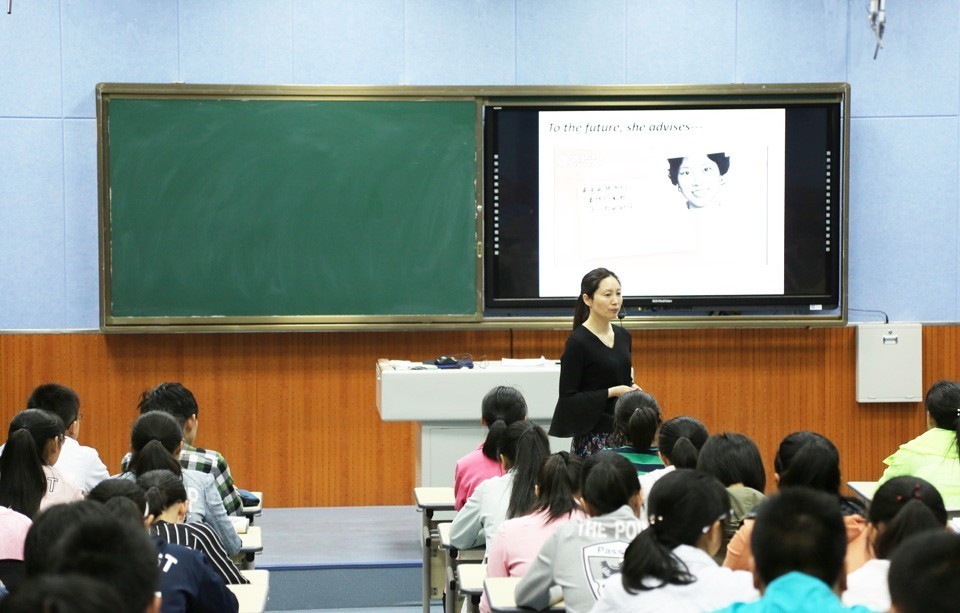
22, 480
733, 458
942, 402
153, 439
501, 406
809, 459
901, 508
170, 397
68, 593
108, 489
57, 399
637, 418
608, 482
125, 510
721, 159
589, 286
525, 446
162, 489
925, 573
680, 441
799, 529
682, 507
48, 527
558, 482
114, 551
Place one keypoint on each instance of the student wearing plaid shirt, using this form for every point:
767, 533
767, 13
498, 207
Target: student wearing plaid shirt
175, 399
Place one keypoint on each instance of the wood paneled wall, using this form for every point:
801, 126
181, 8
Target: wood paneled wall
295, 413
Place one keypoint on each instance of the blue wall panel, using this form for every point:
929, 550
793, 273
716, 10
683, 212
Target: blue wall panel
338, 43
115, 40
469, 42
669, 41
903, 192
30, 60
236, 41
791, 42
918, 70
568, 42
904, 201
81, 268
31, 223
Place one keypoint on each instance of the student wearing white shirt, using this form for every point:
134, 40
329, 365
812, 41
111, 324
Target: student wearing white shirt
669, 566
81, 464
28, 480
901, 508
524, 447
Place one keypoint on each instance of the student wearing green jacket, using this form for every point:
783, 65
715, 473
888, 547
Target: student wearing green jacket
933, 455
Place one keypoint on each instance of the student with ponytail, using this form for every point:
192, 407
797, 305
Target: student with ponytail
811, 460
575, 562
636, 420
679, 444
523, 449
501, 407
669, 565
28, 480
935, 454
518, 540
167, 503
901, 508
155, 443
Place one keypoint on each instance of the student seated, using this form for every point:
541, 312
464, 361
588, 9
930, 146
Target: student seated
175, 399
188, 581
28, 480
581, 555
13, 531
925, 574
735, 460
94, 544
166, 506
933, 455
669, 565
901, 508
67, 593
798, 542
807, 459
636, 419
501, 407
47, 529
679, 442
523, 449
518, 540
79, 463
155, 442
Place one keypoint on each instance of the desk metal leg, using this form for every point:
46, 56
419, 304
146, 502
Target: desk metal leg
427, 546
450, 601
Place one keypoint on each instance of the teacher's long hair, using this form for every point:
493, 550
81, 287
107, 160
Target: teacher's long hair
589, 285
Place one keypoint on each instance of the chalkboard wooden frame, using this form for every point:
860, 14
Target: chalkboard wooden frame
133, 300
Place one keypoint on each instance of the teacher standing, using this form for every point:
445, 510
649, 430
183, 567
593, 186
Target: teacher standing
596, 367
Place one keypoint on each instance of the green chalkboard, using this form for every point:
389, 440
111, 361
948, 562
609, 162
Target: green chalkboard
258, 208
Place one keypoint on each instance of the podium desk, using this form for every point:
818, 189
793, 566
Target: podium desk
446, 405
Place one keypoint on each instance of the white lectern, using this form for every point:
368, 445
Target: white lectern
446, 404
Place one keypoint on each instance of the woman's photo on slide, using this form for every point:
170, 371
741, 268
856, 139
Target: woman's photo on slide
700, 178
